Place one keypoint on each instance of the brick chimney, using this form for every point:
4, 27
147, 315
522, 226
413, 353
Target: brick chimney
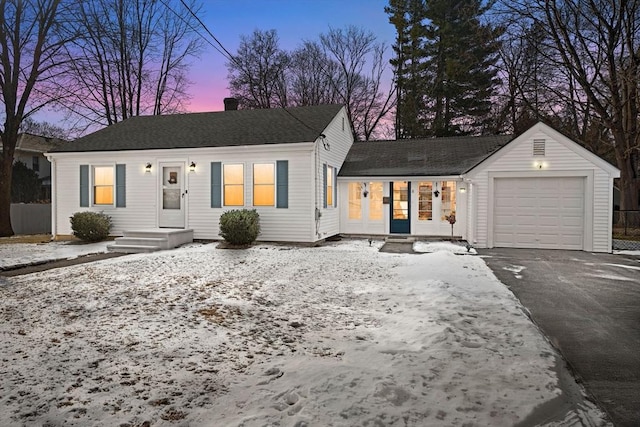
230, 104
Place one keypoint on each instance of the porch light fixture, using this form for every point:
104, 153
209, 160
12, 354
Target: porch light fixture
463, 189
365, 193
192, 167
147, 167
436, 193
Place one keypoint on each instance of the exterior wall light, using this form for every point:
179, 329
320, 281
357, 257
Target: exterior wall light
463, 189
539, 164
192, 167
147, 167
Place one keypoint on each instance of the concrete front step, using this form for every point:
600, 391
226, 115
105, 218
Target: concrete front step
153, 239
161, 242
400, 239
133, 249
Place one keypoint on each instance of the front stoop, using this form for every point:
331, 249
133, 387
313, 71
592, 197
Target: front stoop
150, 240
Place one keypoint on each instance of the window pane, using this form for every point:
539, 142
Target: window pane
234, 195
263, 195
233, 184
103, 175
264, 173
425, 201
448, 206
234, 174
400, 200
264, 192
103, 185
103, 195
375, 201
329, 189
355, 200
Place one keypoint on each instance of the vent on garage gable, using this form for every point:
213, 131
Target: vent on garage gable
538, 147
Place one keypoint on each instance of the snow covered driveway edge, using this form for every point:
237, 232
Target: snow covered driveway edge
338, 335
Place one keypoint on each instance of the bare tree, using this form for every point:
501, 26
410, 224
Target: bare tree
45, 129
594, 46
310, 75
346, 67
257, 71
130, 60
360, 59
30, 43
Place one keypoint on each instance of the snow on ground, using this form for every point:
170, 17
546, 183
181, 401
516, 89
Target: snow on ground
428, 247
627, 252
338, 335
18, 254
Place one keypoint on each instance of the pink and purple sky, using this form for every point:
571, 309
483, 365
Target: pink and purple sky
294, 20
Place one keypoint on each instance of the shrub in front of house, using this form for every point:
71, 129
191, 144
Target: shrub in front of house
91, 226
240, 227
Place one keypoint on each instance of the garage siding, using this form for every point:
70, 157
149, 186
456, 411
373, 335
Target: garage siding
562, 159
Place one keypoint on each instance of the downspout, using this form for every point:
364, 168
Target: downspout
316, 211
54, 201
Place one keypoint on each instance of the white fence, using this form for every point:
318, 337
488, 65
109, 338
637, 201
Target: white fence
32, 218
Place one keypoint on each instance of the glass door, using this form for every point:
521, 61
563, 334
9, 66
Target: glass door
400, 204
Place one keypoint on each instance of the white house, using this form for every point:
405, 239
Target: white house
183, 171
537, 190
308, 181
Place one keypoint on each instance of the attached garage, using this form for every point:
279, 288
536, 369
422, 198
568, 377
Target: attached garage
545, 213
541, 190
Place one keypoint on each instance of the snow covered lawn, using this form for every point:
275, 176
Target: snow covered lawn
21, 254
339, 335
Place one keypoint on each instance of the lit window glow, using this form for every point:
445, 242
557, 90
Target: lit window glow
355, 200
425, 201
264, 184
375, 201
233, 176
448, 205
103, 181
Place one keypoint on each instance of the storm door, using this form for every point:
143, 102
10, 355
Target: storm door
172, 195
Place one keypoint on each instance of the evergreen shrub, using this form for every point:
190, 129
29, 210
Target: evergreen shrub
240, 227
91, 226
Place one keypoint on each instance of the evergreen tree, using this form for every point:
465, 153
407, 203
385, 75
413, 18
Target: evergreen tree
461, 53
407, 17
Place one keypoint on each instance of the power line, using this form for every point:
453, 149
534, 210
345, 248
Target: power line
228, 55
223, 52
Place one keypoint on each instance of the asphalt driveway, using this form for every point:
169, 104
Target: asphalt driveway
589, 307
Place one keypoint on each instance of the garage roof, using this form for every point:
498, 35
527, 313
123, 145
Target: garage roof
420, 157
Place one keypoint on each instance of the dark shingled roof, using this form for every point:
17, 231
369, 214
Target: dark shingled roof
219, 129
420, 157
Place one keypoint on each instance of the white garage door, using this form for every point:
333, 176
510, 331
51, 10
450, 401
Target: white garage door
546, 213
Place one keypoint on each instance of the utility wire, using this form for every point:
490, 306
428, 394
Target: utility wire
223, 52
228, 55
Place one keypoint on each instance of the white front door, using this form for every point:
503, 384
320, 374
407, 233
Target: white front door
172, 195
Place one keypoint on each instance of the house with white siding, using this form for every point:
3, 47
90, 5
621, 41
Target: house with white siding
156, 174
308, 180
539, 189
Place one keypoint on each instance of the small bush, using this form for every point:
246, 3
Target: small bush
91, 226
240, 227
